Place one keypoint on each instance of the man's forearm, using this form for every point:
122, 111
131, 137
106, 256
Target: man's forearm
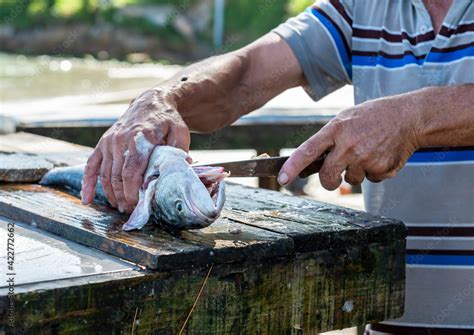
446, 115
217, 91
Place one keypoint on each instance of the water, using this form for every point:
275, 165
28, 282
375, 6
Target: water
25, 78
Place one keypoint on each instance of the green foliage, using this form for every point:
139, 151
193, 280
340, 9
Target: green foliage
246, 20
297, 6
29, 13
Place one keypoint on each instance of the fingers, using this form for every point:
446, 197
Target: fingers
89, 180
117, 182
354, 175
331, 171
105, 177
304, 155
179, 137
132, 174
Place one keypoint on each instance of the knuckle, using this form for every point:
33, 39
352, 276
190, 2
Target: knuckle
116, 180
308, 150
119, 137
93, 156
106, 137
363, 157
352, 148
88, 170
136, 128
337, 126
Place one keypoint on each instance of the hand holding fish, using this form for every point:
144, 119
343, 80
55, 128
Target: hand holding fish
122, 154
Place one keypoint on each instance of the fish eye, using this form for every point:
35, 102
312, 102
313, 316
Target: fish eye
179, 206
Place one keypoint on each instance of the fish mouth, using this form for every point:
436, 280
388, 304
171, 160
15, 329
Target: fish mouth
200, 214
213, 180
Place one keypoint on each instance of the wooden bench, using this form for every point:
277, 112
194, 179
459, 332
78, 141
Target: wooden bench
272, 264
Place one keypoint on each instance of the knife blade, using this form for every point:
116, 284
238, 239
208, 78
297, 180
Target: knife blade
264, 167
269, 167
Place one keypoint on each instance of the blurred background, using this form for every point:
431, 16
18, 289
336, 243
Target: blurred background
139, 30
76, 64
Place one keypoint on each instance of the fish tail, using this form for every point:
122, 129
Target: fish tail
70, 177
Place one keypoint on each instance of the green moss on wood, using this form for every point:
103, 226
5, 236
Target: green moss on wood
275, 297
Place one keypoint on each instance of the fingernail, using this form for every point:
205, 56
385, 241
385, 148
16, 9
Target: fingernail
120, 209
282, 178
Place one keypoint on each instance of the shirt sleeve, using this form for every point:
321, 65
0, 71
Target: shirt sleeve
320, 38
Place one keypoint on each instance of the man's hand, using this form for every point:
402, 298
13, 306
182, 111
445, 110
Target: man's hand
121, 156
372, 140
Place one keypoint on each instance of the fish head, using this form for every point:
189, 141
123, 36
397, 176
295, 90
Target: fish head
178, 195
183, 201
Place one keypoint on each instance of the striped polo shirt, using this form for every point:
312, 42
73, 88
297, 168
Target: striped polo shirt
388, 47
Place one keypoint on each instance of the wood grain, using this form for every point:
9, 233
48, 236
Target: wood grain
304, 293
99, 227
23, 168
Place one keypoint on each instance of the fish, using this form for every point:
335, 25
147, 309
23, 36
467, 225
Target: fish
174, 193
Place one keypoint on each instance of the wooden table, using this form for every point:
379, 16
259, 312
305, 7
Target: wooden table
272, 264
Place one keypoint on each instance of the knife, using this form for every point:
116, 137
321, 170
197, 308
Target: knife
270, 167
264, 167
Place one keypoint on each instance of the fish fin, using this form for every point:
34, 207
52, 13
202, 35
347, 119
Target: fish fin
142, 211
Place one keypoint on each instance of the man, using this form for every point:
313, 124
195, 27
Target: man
412, 66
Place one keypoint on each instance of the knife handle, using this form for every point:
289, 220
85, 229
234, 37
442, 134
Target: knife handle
314, 167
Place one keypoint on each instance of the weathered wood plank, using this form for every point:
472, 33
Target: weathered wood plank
313, 225
57, 152
99, 227
43, 257
310, 293
23, 168
254, 223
